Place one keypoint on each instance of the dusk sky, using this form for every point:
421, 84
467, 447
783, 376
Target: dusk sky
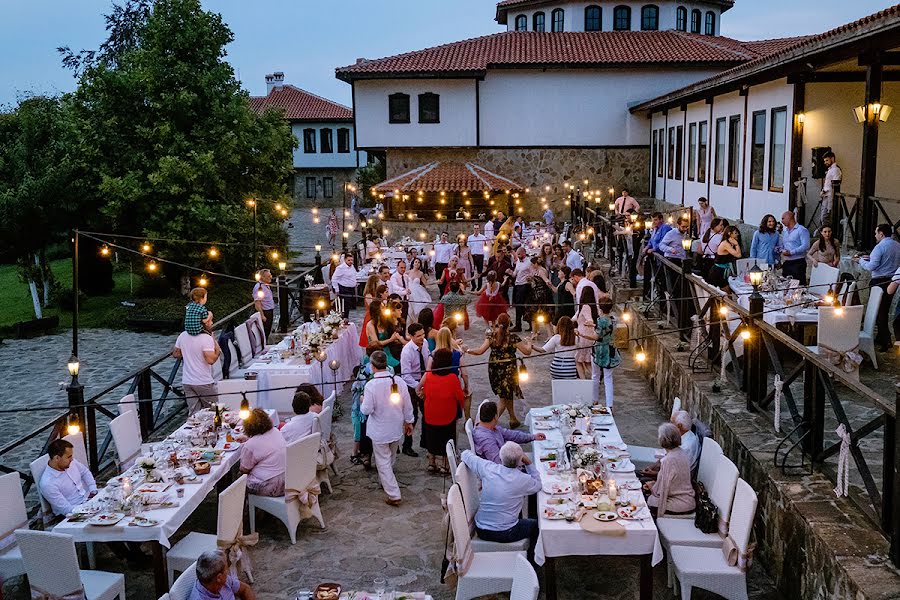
307, 40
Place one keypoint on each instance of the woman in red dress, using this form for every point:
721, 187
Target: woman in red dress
452, 273
491, 303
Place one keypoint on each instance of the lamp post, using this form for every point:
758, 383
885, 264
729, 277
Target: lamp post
687, 265
80, 419
754, 349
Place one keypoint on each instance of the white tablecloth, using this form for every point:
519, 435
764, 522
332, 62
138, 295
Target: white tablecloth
346, 349
773, 314
562, 538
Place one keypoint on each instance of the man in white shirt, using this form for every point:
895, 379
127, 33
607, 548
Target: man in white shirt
343, 280
372, 249
415, 359
574, 260
307, 420
443, 249
833, 177
489, 231
389, 420
581, 282
399, 284
477, 242
549, 218
65, 483
522, 272
198, 353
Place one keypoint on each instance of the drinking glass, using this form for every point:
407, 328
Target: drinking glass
380, 586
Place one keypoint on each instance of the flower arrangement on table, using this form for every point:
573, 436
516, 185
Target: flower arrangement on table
309, 280
585, 457
573, 411
318, 339
334, 319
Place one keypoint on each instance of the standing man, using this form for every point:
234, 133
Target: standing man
625, 203
198, 353
882, 263
670, 245
489, 231
477, 243
549, 219
660, 229
343, 280
522, 272
384, 273
499, 220
574, 260
390, 418
442, 252
399, 284
794, 246
833, 178
415, 359
263, 300
582, 282
501, 265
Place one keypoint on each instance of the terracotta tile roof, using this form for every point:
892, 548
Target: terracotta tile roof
300, 105
504, 5
448, 177
781, 57
574, 49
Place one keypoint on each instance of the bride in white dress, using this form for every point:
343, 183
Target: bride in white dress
419, 297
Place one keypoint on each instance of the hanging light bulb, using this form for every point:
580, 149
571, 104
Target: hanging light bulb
458, 317
213, 252
152, 266
626, 316
523, 372
244, 412
104, 250
315, 210
395, 393
278, 206
745, 334
829, 299
541, 319
256, 276
203, 281
260, 294
641, 355
146, 247
275, 255
73, 426
334, 256
386, 312
723, 311
320, 304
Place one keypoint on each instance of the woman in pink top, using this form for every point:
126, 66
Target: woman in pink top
263, 455
673, 492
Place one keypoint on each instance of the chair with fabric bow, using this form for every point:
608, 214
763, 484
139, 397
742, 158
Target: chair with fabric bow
478, 573
126, 434
51, 565
299, 484
822, 279
452, 459
325, 424
470, 434
242, 337
722, 570
229, 535
329, 401
470, 487
838, 337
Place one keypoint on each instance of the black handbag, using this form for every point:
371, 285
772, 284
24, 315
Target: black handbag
706, 517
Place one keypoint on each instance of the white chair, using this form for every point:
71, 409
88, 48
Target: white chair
79, 452
228, 527
126, 403
14, 516
282, 399
300, 474
326, 278
451, 459
230, 392
570, 390
52, 568
822, 278
839, 331
470, 434
165, 597
867, 335
525, 581
470, 489
682, 532
710, 453
481, 573
848, 293
181, 590
257, 334
325, 425
242, 338
217, 369
705, 568
126, 433
38, 466
329, 401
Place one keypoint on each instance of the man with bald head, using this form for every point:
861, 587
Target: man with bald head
794, 246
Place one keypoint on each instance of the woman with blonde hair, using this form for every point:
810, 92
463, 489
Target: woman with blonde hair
446, 341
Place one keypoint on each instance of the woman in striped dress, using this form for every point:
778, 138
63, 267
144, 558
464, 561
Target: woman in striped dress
563, 347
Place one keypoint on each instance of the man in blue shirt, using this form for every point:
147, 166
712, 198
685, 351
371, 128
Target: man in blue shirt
671, 243
794, 246
882, 263
503, 490
660, 229
214, 582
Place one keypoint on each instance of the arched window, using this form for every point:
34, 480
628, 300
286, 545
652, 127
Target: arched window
521, 23
696, 16
650, 18
592, 18
681, 18
558, 20
622, 18
710, 23
539, 22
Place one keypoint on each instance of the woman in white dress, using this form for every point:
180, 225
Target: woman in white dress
419, 297
703, 216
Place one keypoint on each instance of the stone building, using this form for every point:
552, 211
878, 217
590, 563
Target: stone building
327, 159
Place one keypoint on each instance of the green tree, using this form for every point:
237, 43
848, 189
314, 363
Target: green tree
35, 205
167, 145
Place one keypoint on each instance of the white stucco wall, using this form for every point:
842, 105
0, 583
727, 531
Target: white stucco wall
574, 17
457, 114
318, 160
537, 108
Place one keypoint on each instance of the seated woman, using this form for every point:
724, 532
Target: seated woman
672, 493
306, 422
263, 455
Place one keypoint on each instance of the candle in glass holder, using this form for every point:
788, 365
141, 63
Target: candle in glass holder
613, 490
126, 487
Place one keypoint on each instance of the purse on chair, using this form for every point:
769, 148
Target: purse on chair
706, 516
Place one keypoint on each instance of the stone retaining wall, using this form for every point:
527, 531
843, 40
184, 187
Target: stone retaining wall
813, 544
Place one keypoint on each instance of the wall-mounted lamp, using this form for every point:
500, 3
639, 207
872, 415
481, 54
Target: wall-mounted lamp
801, 118
872, 112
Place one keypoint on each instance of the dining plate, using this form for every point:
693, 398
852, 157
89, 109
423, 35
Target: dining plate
615, 446
231, 446
152, 488
144, 522
553, 514
605, 516
588, 501
582, 440
621, 466
634, 484
558, 488
630, 513
106, 519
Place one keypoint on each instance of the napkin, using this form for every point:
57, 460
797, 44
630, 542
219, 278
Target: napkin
611, 528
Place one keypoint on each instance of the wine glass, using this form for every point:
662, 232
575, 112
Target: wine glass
380, 586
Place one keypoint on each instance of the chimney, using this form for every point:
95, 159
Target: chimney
360, 61
278, 80
270, 83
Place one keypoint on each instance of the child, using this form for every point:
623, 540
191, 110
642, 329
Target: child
197, 318
605, 356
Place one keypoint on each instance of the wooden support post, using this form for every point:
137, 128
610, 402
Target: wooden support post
755, 351
284, 305
813, 411
868, 213
145, 404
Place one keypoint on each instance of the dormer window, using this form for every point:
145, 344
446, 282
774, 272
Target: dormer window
710, 23
558, 20
696, 16
622, 18
398, 108
650, 18
522, 23
681, 18
592, 19
539, 22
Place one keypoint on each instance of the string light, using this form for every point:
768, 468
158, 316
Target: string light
256, 276
386, 312
73, 427
626, 316
104, 250
839, 311
458, 317
641, 355
523, 372
152, 266
541, 319
278, 206
395, 393
146, 247
244, 412
723, 311
251, 202
203, 281
213, 253
334, 256
320, 304
745, 334
275, 255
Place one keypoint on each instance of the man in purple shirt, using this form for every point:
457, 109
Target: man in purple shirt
214, 582
489, 437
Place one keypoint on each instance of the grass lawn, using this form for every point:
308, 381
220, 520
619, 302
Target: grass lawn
107, 311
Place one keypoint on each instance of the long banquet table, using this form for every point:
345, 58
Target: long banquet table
776, 310
559, 538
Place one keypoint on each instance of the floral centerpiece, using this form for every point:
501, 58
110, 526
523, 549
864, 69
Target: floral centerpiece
148, 464
310, 280
585, 457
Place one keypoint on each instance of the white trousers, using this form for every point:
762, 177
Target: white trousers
607, 375
385, 455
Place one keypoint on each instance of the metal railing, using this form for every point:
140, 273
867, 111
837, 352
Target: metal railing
154, 391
